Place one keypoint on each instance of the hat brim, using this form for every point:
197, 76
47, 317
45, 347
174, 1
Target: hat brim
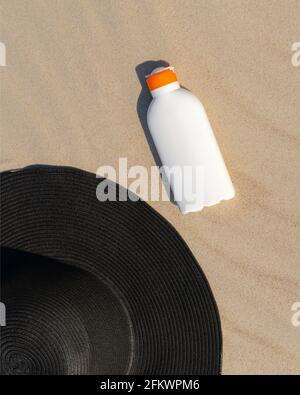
165, 317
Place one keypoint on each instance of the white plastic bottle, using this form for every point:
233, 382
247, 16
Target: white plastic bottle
185, 142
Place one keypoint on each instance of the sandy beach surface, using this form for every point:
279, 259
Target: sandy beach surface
71, 94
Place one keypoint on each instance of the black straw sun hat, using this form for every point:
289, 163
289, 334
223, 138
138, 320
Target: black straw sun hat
98, 287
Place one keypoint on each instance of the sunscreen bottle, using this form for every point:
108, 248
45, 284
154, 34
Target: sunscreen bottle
191, 159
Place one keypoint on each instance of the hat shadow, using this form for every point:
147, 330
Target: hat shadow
142, 105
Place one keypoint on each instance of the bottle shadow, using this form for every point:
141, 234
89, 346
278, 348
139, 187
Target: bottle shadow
142, 105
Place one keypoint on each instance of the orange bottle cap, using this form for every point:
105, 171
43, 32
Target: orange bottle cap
161, 78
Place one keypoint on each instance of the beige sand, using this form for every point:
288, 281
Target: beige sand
69, 96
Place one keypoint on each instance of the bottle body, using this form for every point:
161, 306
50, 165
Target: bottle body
185, 142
